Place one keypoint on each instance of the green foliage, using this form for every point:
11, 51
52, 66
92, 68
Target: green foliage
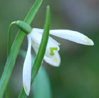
15, 49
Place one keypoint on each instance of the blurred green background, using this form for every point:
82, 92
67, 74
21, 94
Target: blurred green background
78, 74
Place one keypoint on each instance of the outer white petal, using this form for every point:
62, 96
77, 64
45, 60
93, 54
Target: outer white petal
27, 68
41, 31
52, 45
72, 36
54, 61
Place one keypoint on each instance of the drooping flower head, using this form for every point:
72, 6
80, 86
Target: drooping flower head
52, 56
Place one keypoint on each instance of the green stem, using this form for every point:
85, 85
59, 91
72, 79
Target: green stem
15, 49
8, 51
7, 91
9, 38
41, 51
10, 62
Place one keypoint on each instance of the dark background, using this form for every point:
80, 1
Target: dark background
78, 74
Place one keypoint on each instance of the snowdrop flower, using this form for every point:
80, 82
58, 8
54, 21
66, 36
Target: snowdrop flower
52, 56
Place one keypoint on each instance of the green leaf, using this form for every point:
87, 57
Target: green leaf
42, 48
15, 49
41, 51
41, 85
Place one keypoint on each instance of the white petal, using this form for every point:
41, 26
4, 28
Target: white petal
41, 31
52, 48
72, 36
27, 68
54, 61
38, 30
52, 45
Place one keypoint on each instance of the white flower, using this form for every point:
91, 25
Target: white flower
27, 69
52, 56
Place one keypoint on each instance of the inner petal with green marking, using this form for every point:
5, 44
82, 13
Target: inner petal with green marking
52, 50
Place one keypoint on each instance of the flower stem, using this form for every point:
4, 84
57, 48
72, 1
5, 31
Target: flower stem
7, 91
9, 38
15, 49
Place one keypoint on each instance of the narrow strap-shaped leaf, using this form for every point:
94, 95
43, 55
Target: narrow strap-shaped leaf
41, 51
33, 11
42, 48
15, 49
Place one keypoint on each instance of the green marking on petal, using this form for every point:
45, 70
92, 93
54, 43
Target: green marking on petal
52, 50
25, 87
54, 59
88, 40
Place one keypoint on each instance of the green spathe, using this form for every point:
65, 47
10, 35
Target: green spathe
24, 26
